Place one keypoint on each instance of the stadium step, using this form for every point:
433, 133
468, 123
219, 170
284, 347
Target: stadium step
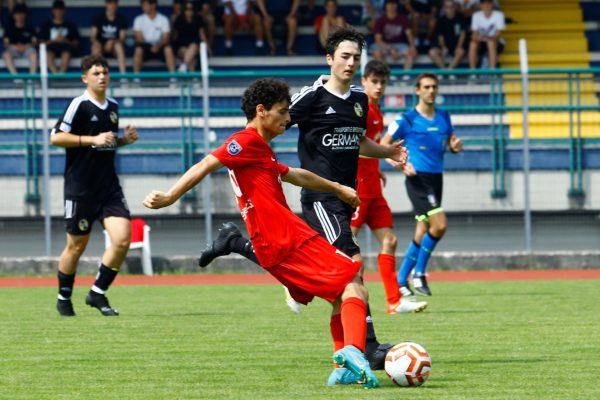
543, 45
544, 124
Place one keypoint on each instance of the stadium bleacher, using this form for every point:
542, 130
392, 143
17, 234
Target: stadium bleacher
162, 136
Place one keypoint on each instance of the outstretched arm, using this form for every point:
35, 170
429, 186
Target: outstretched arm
372, 149
191, 178
306, 179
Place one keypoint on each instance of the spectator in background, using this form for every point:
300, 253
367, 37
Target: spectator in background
152, 37
372, 10
11, 5
205, 11
450, 35
466, 8
423, 10
20, 41
486, 35
238, 15
108, 32
61, 38
393, 37
328, 22
274, 13
188, 31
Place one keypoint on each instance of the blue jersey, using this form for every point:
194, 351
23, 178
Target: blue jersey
426, 140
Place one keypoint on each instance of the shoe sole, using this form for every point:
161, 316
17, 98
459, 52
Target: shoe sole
367, 382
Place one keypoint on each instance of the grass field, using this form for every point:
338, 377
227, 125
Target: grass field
487, 340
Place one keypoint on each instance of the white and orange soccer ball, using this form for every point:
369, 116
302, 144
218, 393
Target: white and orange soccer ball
408, 364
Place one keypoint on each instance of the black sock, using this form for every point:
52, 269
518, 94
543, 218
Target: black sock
372, 342
243, 246
65, 285
105, 277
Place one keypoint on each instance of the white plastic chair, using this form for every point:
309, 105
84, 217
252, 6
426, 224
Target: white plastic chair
140, 240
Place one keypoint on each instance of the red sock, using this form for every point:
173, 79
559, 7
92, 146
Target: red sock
337, 331
354, 320
387, 270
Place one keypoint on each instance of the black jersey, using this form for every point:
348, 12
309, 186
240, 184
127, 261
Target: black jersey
109, 29
90, 173
330, 128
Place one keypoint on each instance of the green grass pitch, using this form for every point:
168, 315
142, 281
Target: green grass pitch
487, 340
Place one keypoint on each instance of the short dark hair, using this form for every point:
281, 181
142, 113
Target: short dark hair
88, 62
265, 91
20, 8
58, 4
377, 68
342, 34
424, 75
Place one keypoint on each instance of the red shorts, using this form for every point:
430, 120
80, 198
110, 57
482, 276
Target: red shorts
316, 268
374, 212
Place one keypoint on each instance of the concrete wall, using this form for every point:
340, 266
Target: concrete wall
463, 191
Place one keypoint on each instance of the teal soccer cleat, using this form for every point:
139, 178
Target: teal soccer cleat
354, 360
342, 376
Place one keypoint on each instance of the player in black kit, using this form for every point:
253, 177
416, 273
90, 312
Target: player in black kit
88, 130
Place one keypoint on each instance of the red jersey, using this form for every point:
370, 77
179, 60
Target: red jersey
275, 231
368, 182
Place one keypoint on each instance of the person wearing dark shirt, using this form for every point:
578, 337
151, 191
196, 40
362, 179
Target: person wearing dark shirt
89, 131
423, 10
450, 38
393, 37
188, 31
20, 41
205, 10
108, 34
61, 38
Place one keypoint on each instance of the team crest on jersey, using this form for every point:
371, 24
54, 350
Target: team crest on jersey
234, 148
358, 110
83, 224
114, 118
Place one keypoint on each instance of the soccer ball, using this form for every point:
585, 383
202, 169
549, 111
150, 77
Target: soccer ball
408, 364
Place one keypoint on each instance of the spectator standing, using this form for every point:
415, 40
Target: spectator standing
273, 14
108, 33
450, 37
238, 15
61, 38
393, 36
152, 37
423, 10
188, 31
20, 41
328, 22
486, 34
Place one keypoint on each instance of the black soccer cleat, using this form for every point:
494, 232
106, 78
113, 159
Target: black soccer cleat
100, 302
377, 358
221, 245
65, 308
420, 284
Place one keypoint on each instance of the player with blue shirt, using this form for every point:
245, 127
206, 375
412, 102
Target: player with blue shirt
427, 131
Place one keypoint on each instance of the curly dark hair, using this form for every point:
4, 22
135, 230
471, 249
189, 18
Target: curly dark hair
377, 68
89, 61
265, 91
342, 34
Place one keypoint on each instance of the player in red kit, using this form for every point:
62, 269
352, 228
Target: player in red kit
374, 210
288, 249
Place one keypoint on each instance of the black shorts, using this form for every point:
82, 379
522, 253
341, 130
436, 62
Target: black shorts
331, 219
483, 49
148, 55
58, 48
425, 194
80, 216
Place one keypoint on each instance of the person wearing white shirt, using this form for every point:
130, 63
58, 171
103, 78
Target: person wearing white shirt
486, 34
152, 32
